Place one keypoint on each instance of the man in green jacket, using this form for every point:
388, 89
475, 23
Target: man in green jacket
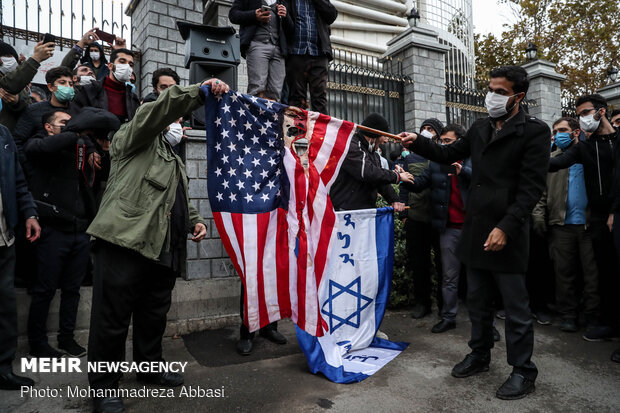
14, 78
140, 235
563, 213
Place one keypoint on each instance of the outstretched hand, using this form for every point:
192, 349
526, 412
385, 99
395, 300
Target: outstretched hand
217, 86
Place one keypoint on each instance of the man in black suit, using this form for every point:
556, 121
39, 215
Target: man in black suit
509, 151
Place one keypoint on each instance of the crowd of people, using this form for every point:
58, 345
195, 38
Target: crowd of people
529, 215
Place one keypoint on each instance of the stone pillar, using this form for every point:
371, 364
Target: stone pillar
423, 61
611, 92
545, 89
156, 37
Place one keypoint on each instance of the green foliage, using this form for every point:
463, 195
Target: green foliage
402, 279
580, 36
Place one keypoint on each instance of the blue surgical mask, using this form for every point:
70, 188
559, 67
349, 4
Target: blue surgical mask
562, 140
133, 87
404, 154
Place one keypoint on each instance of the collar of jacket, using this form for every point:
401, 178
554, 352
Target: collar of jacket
363, 142
512, 126
603, 138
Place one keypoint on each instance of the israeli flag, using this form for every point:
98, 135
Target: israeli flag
352, 297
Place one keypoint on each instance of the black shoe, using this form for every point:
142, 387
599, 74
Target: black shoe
496, 335
10, 381
108, 405
72, 348
45, 351
516, 387
244, 346
443, 326
600, 333
543, 318
419, 311
470, 366
273, 335
569, 325
615, 356
166, 379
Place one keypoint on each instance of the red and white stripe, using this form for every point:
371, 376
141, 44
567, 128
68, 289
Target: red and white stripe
278, 282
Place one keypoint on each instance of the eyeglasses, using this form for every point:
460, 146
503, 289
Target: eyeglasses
446, 141
585, 112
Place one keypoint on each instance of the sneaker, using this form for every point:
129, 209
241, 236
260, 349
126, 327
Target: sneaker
45, 351
543, 318
600, 333
382, 335
72, 348
501, 314
419, 311
569, 325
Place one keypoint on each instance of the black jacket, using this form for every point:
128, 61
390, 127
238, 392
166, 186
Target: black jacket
64, 199
597, 156
17, 201
508, 179
360, 177
95, 95
439, 183
103, 71
326, 14
242, 12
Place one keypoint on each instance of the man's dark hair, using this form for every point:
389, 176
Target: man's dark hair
115, 53
597, 101
48, 117
37, 90
458, 130
572, 122
56, 73
165, 71
515, 74
81, 65
614, 112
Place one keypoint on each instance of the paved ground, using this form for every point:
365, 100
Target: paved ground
575, 376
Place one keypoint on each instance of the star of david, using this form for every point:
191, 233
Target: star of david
336, 290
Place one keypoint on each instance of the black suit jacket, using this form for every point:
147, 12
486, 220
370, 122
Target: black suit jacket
242, 12
508, 179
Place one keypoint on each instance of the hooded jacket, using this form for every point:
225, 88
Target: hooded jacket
72, 57
361, 177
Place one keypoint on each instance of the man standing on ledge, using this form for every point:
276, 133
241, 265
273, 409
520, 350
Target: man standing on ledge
509, 152
141, 230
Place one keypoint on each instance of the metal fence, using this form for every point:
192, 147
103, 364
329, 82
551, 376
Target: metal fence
568, 106
465, 104
359, 84
67, 19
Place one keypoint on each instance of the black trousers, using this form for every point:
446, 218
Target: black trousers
539, 276
244, 332
420, 240
62, 262
519, 329
8, 309
608, 271
303, 72
571, 245
125, 284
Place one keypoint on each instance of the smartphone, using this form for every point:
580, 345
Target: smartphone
265, 8
106, 37
48, 37
448, 169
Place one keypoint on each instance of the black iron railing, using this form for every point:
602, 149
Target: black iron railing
359, 84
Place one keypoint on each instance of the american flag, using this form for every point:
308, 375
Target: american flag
271, 206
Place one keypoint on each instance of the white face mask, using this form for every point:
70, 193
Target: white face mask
84, 80
123, 72
9, 64
496, 104
95, 56
588, 123
426, 134
175, 134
